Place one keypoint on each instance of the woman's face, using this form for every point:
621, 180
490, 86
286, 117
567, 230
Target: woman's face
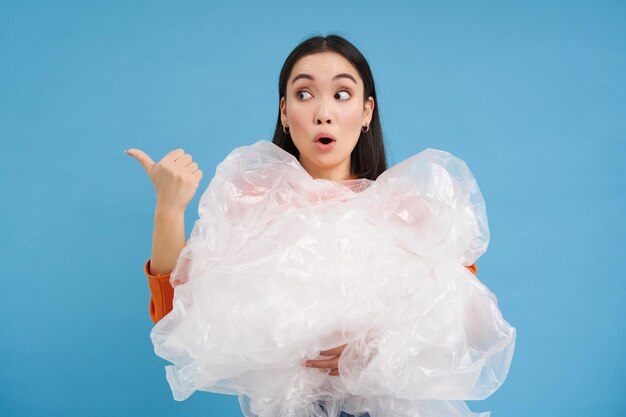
325, 98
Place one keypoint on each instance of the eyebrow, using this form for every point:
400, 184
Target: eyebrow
310, 77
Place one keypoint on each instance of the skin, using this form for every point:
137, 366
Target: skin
175, 179
325, 104
336, 106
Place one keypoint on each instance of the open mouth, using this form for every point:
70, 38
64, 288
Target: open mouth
325, 141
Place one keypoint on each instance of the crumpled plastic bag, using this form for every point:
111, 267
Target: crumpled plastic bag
280, 266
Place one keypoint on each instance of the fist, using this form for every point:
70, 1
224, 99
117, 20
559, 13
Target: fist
175, 177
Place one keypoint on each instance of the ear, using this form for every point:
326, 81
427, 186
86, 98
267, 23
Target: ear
283, 111
368, 110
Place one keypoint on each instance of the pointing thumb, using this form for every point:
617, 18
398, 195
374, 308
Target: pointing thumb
146, 162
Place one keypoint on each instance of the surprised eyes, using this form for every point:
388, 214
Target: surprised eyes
346, 95
302, 95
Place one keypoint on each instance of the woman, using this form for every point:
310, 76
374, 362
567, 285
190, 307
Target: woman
326, 89
328, 119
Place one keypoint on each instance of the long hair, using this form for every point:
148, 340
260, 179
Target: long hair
368, 158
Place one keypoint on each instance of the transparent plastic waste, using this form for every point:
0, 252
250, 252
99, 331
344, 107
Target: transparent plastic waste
280, 266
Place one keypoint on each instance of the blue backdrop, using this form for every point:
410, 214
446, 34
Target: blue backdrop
530, 94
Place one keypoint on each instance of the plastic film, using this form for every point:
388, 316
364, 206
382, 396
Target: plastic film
281, 266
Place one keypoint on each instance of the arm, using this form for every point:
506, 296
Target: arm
167, 243
175, 179
168, 240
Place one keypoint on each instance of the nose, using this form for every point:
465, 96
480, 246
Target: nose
323, 113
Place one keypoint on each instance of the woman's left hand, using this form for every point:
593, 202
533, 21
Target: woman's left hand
332, 363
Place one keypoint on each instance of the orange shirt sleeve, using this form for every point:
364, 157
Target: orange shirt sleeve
161, 292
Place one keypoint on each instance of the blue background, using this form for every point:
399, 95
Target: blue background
530, 94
